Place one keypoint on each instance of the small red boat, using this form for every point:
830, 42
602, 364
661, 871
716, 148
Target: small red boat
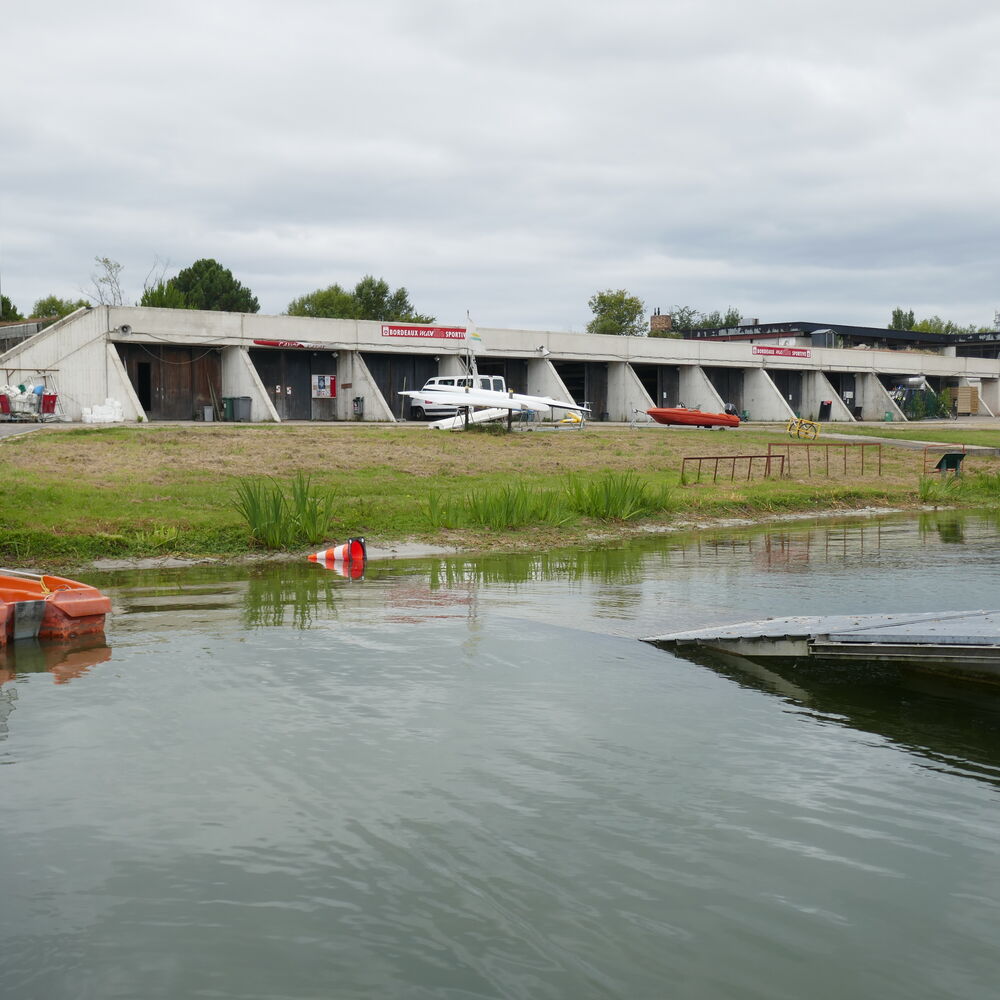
48, 607
693, 418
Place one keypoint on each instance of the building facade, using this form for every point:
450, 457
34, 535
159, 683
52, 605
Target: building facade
167, 364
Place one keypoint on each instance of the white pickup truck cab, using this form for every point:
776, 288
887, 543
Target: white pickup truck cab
427, 407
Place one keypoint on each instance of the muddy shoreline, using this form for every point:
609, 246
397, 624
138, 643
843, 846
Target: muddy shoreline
425, 550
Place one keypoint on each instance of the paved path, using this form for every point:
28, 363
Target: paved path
980, 449
10, 429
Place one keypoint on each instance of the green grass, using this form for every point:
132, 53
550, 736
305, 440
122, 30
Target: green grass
943, 433
71, 496
980, 489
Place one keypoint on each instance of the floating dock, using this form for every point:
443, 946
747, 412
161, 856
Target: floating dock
956, 643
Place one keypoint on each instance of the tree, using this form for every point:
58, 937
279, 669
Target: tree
107, 282
901, 320
932, 324
371, 298
8, 311
206, 284
616, 312
685, 318
716, 320
329, 303
163, 295
375, 301
52, 305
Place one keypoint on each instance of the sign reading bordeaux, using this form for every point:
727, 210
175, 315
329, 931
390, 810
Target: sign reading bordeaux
782, 352
433, 332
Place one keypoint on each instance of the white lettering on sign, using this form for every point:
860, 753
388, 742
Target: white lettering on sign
433, 332
782, 352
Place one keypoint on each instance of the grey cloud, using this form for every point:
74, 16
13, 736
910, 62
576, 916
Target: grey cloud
786, 157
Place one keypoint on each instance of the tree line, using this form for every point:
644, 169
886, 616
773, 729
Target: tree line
615, 311
208, 285
905, 320
619, 313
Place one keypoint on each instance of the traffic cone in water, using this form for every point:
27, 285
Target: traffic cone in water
352, 551
349, 571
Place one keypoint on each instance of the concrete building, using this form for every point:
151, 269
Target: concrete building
166, 364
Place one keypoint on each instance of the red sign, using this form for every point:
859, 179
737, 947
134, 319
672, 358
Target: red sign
293, 343
434, 332
782, 352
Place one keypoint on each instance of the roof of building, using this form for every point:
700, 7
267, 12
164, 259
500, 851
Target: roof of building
765, 330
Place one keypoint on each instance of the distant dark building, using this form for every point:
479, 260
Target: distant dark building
979, 345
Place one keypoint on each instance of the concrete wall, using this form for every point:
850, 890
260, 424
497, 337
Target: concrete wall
989, 395
240, 378
625, 392
698, 392
71, 357
761, 397
544, 380
377, 407
816, 388
119, 387
874, 401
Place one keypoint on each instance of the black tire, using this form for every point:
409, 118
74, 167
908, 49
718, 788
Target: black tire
417, 413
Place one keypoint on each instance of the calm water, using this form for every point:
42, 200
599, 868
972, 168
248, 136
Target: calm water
463, 779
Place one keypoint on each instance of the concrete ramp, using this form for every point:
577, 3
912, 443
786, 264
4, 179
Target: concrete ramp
959, 643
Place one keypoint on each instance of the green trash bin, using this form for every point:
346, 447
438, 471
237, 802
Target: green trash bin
888, 416
227, 408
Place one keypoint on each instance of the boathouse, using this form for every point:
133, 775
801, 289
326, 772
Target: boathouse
172, 364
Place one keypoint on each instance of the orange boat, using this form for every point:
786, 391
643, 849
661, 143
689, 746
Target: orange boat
48, 607
681, 415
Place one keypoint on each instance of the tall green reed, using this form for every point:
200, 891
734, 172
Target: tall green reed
312, 511
981, 487
616, 497
277, 521
514, 506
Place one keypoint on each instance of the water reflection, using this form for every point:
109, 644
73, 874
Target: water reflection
66, 661
954, 725
305, 595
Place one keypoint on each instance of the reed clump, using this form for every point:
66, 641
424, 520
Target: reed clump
277, 520
609, 497
616, 496
979, 488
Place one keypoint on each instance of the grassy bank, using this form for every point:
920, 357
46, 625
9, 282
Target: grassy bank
70, 495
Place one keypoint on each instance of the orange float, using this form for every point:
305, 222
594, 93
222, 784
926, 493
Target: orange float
48, 607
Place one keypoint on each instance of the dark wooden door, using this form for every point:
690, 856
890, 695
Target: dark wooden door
287, 378
173, 383
396, 373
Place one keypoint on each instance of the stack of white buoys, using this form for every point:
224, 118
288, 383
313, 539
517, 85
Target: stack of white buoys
109, 413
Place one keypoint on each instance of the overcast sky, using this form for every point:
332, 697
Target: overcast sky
799, 160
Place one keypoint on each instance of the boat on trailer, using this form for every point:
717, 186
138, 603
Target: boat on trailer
40, 606
682, 416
